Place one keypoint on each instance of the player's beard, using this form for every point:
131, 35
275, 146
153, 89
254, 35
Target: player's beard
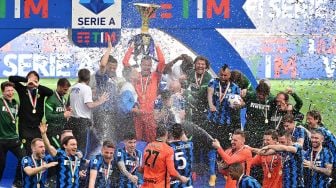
316, 145
41, 155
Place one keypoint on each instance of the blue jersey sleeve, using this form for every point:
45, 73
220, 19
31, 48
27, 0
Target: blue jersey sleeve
329, 158
212, 83
94, 163
25, 162
48, 158
120, 156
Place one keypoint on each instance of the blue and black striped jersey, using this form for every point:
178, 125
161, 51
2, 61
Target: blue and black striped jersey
223, 115
329, 142
301, 132
183, 158
40, 178
320, 159
68, 169
292, 169
105, 172
132, 163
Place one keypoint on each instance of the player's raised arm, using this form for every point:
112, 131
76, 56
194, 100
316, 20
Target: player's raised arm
104, 59
43, 129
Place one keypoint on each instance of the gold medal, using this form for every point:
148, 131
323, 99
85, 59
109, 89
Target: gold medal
38, 185
269, 175
23, 141
34, 111
73, 180
280, 172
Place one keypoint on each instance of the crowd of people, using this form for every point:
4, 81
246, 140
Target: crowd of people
187, 116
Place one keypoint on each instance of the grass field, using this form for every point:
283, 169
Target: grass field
316, 94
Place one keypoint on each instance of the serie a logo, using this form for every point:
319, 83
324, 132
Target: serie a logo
12, 8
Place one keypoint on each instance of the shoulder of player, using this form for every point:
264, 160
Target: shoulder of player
51, 98
121, 150
60, 153
26, 160
326, 152
96, 157
207, 76
247, 152
138, 152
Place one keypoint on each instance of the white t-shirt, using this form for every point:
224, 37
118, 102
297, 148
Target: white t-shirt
80, 94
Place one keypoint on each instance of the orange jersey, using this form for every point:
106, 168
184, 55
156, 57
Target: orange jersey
147, 94
243, 156
146, 87
158, 165
271, 166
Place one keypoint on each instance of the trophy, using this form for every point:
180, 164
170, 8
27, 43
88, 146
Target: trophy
143, 42
146, 11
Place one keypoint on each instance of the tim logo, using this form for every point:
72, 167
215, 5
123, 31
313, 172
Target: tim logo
96, 6
12, 9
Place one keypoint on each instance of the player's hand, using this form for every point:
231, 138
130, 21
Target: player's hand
307, 164
82, 173
243, 93
43, 128
263, 150
51, 164
184, 179
221, 165
132, 44
289, 90
136, 111
109, 42
216, 144
212, 108
104, 97
67, 114
133, 179
35, 83
79, 154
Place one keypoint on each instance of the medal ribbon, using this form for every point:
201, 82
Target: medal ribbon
222, 96
32, 100
198, 83
311, 159
265, 113
60, 99
73, 166
107, 171
269, 169
39, 174
144, 87
136, 163
9, 111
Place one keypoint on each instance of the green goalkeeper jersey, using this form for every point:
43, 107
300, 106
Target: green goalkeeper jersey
8, 119
54, 110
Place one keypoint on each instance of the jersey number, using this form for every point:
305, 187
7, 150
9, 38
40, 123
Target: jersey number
150, 153
179, 156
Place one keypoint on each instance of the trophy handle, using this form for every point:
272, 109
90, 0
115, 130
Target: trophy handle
146, 11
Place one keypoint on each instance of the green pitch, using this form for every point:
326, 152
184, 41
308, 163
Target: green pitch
316, 94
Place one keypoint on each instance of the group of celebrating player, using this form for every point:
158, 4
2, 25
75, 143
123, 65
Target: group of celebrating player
177, 110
